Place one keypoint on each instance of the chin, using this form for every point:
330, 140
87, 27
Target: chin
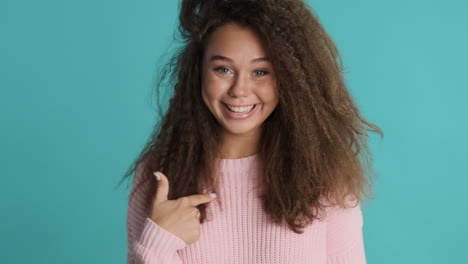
240, 130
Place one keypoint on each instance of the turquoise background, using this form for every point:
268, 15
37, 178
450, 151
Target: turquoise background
76, 107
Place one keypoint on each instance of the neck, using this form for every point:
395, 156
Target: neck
235, 146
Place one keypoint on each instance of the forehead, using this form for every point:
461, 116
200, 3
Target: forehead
236, 42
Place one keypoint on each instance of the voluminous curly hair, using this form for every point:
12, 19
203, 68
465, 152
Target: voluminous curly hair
313, 145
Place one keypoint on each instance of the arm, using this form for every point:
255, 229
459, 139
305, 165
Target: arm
148, 243
345, 243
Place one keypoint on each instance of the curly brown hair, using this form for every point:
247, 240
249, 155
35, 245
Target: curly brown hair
313, 145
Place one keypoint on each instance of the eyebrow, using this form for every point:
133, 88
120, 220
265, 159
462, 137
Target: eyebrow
222, 58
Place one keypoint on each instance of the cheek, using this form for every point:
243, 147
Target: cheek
206, 87
204, 95
213, 89
268, 93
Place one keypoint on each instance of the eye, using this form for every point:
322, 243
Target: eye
262, 71
221, 69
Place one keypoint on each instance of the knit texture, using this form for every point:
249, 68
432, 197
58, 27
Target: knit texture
240, 231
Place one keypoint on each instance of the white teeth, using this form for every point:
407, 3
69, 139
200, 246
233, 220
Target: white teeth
243, 109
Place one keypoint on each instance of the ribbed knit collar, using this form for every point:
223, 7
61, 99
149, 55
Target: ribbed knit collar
244, 164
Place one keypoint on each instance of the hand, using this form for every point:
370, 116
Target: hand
180, 216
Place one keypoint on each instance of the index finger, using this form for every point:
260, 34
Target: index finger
197, 199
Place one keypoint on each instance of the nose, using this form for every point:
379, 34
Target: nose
241, 87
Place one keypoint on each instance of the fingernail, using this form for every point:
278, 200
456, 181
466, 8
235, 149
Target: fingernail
156, 174
213, 195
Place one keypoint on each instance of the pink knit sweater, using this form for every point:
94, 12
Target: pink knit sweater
242, 233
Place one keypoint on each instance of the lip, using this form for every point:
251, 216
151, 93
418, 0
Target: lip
235, 116
239, 105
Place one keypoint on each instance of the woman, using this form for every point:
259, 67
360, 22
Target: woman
261, 117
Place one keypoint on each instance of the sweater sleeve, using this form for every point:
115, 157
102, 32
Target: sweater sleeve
148, 243
345, 242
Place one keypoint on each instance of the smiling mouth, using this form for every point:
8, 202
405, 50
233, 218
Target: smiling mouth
240, 110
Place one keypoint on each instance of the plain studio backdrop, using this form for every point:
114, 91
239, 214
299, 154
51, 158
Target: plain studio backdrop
76, 107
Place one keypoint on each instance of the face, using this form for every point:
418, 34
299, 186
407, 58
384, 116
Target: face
238, 82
